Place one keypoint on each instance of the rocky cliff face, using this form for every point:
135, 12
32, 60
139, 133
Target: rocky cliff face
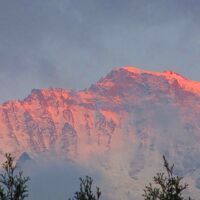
133, 115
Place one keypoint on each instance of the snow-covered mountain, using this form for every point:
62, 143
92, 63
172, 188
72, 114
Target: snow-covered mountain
121, 125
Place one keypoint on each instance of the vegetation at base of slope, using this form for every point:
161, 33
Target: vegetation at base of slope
13, 185
86, 192
166, 186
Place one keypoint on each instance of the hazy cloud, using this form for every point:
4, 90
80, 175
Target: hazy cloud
56, 179
71, 44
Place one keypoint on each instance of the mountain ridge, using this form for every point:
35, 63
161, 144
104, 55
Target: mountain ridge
168, 74
110, 95
124, 122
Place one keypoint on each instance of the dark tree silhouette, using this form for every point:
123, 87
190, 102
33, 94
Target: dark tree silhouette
86, 192
169, 186
13, 186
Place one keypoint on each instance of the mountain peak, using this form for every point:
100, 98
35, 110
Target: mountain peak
167, 73
173, 74
132, 69
128, 77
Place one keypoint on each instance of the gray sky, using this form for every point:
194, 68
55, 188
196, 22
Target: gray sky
72, 43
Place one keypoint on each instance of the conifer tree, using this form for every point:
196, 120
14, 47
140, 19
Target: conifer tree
86, 192
13, 185
168, 186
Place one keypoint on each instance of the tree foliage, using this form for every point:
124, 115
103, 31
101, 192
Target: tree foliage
86, 192
13, 186
169, 186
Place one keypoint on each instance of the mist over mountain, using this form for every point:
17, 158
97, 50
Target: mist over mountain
117, 129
